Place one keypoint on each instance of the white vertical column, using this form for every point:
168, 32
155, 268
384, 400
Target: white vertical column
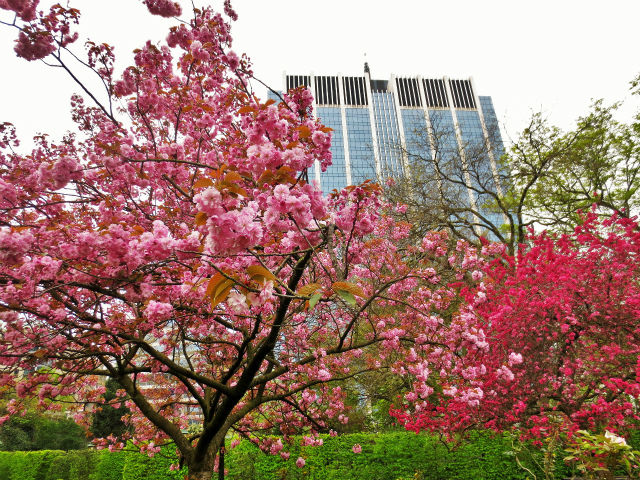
387, 159
403, 140
345, 132
427, 118
372, 119
316, 165
463, 157
430, 133
485, 134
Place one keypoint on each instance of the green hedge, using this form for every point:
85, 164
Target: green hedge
384, 457
5, 464
390, 456
142, 467
27, 465
110, 465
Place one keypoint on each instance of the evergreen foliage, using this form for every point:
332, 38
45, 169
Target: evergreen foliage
39, 432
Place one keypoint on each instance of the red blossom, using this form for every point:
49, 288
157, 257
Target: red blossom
562, 317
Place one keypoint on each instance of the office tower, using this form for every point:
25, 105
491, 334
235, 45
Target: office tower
382, 128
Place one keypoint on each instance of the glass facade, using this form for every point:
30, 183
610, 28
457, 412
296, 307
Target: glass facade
415, 119
493, 129
416, 136
388, 132
336, 175
477, 158
361, 157
444, 140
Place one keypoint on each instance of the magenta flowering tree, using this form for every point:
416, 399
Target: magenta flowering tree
562, 320
176, 247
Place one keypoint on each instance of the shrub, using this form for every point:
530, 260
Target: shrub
60, 468
109, 465
139, 466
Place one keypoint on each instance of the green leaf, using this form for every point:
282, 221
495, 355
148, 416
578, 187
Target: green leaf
347, 297
314, 300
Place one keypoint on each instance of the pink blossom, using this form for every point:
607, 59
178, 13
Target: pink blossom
25, 9
505, 373
357, 448
276, 447
228, 9
450, 391
237, 302
34, 47
63, 171
13, 245
163, 8
411, 397
158, 311
300, 462
515, 358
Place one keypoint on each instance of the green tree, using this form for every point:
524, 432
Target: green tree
39, 432
556, 174
107, 420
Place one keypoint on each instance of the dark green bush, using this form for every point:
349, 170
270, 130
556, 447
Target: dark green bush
41, 432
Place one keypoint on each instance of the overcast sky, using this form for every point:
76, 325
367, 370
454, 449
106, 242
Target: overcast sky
553, 56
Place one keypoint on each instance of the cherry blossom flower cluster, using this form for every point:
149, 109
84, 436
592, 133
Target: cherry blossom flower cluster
163, 8
564, 352
41, 34
184, 254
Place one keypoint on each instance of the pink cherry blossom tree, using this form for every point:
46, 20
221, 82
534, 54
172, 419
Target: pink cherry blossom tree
562, 320
175, 246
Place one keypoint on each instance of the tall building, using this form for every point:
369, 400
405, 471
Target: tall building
381, 126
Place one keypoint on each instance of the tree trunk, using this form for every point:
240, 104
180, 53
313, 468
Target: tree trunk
202, 467
202, 470
221, 464
200, 475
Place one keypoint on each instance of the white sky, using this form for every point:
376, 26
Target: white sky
546, 55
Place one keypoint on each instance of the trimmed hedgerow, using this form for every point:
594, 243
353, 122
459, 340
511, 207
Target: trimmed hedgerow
60, 468
389, 456
142, 467
110, 465
5, 464
27, 465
